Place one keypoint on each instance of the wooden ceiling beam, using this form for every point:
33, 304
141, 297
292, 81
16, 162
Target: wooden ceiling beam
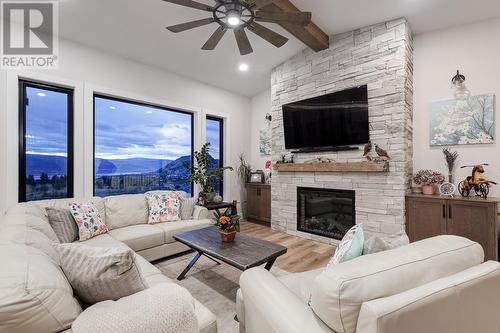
311, 34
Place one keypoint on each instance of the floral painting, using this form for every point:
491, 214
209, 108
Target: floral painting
265, 142
462, 122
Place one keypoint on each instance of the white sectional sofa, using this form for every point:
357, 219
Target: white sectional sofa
438, 285
36, 297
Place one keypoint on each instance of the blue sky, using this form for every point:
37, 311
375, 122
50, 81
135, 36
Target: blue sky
46, 122
123, 130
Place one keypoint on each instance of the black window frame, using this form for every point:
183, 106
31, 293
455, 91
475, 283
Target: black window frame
23, 85
156, 106
221, 148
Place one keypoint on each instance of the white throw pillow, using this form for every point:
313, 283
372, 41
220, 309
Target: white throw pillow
164, 308
379, 243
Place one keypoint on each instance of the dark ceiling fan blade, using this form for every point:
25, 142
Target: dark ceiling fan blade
272, 37
259, 3
192, 4
214, 39
299, 18
243, 42
190, 25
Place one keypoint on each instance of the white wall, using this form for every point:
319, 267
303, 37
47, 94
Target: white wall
261, 105
86, 70
474, 50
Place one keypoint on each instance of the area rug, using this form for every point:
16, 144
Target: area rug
214, 285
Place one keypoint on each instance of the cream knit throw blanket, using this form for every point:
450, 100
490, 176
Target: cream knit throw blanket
164, 308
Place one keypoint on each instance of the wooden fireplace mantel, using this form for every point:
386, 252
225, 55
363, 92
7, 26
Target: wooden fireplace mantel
365, 166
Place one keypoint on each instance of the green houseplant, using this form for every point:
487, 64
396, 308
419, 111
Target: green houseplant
228, 224
205, 173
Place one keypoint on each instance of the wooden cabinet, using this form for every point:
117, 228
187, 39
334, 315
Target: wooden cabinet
473, 218
259, 202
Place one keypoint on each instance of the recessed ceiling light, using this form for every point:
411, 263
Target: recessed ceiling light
149, 112
112, 107
41, 94
243, 67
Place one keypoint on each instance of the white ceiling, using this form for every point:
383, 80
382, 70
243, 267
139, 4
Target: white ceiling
135, 29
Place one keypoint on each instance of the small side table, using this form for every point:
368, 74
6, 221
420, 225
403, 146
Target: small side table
223, 205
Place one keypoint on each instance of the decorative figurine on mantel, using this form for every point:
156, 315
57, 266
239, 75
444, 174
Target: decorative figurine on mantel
367, 150
382, 154
476, 182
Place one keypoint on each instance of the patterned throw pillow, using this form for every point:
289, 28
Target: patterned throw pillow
187, 207
350, 247
88, 219
164, 206
63, 224
100, 274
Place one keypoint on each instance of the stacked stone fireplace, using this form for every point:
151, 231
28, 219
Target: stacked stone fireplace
379, 56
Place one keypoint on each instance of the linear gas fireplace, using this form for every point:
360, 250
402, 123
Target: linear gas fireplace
325, 212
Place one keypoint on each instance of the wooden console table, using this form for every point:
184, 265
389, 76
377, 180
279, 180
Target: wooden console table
474, 218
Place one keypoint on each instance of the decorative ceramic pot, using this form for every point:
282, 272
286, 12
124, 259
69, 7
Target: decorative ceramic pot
209, 196
227, 236
428, 189
217, 199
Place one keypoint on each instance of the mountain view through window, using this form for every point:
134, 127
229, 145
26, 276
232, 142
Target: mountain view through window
45, 159
140, 148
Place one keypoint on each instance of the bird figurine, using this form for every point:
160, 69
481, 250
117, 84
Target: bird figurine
381, 152
368, 148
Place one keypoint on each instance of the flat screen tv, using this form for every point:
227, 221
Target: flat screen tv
331, 122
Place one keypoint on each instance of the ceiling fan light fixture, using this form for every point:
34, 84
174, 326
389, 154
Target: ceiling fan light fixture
234, 19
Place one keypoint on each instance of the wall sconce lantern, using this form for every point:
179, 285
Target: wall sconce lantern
269, 117
461, 91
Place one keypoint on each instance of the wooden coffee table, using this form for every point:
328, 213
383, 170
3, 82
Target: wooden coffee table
244, 253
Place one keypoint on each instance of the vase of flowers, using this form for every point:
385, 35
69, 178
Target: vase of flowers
428, 179
268, 166
228, 224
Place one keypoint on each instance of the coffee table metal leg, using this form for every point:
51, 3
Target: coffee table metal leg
270, 264
191, 264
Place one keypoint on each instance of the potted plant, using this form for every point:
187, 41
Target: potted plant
428, 179
205, 173
228, 224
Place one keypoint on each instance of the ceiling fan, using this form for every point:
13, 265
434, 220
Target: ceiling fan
239, 15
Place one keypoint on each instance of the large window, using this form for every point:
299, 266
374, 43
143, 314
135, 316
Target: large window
45, 142
215, 136
140, 147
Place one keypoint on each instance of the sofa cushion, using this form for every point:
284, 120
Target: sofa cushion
165, 308
63, 224
64, 204
100, 274
126, 210
172, 228
140, 237
379, 243
339, 292
31, 221
35, 296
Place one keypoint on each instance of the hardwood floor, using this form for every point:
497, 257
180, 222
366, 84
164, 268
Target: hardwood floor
302, 255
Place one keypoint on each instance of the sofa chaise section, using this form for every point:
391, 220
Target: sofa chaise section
35, 296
